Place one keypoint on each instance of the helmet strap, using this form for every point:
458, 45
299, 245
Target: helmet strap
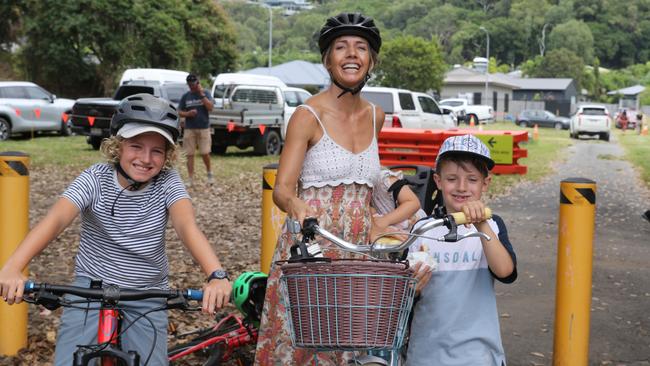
354, 90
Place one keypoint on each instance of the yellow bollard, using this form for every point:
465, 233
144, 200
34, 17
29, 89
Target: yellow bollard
574, 267
14, 224
272, 218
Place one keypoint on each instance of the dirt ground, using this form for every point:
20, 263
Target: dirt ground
620, 318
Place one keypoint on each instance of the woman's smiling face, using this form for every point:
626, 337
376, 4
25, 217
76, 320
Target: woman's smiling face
349, 60
143, 156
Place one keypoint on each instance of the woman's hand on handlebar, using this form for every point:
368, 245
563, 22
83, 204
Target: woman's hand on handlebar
12, 284
216, 295
299, 210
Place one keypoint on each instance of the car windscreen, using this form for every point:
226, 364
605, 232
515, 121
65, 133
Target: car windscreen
383, 99
451, 103
175, 94
594, 111
128, 90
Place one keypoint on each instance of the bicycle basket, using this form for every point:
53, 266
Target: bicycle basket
347, 304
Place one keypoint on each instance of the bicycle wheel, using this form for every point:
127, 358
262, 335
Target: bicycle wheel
215, 354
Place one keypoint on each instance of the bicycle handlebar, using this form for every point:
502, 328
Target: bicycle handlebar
310, 228
112, 293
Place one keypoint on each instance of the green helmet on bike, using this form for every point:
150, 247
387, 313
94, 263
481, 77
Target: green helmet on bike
248, 294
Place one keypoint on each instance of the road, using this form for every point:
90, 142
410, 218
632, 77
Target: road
620, 303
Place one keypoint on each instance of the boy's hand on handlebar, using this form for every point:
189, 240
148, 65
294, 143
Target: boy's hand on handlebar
216, 295
474, 212
12, 285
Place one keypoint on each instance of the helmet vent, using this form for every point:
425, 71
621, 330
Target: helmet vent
172, 116
138, 108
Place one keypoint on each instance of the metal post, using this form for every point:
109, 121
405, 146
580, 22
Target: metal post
487, 68
14, 224
272, 218
270, 37
574, 268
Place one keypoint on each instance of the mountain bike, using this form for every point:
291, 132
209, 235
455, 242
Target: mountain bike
110, 325
362, 304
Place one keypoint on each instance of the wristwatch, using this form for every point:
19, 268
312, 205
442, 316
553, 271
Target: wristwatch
219, 274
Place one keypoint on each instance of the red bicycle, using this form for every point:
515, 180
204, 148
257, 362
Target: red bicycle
110, 327
228, 339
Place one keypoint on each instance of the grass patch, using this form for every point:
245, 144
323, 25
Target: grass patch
637, 151
543, 153
74, 153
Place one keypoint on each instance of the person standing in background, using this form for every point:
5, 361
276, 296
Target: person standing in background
195, 106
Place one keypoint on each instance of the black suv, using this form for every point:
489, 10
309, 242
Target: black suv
92, 116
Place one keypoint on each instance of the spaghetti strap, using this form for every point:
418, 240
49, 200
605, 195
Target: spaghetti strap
374, 117
310, 109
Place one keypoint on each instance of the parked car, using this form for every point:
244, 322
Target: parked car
91, 117
590, 119
407, 109
293, 97
631, 118
466, 111
26, 107
542, 118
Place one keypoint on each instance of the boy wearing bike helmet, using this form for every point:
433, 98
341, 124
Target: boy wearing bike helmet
124, 206
455, 322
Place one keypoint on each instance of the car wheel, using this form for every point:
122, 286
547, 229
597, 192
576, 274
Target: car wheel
218, 149
523, 124
604, 136
66, 129
268, 144
558, 126
95, 142
5, 129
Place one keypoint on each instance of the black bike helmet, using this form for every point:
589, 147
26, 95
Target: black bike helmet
248, 294
352, 24
149, 110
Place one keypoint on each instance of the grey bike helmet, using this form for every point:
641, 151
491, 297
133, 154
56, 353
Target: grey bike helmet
146, 109
349, 24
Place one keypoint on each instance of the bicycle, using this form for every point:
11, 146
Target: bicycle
232, 333
110, 326
359, 305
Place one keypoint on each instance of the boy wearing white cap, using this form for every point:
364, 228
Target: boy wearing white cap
124, 206
455, 321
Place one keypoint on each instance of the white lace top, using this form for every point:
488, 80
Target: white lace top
329, 164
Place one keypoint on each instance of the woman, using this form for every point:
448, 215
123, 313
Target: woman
331, 157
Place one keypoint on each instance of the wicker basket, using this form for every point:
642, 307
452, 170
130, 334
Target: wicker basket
347, 304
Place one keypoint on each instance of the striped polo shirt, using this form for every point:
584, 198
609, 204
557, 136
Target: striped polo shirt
128, 248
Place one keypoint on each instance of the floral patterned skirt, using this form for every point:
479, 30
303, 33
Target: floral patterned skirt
343, 210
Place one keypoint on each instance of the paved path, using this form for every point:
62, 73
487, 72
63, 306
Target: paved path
620, 306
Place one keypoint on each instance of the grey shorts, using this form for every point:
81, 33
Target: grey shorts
79, 327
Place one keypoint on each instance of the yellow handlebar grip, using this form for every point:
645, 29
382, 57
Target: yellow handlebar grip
460, 218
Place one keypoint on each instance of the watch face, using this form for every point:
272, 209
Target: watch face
219, 274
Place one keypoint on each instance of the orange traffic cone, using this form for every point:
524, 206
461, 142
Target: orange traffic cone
535, 132
471, 120
644, 130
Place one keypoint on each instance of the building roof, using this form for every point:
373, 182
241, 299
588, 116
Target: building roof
631, 90
543, 83
465, 76
296, 73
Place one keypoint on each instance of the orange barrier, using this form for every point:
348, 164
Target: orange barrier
420, 147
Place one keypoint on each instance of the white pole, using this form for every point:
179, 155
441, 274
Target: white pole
487, 67
270, 37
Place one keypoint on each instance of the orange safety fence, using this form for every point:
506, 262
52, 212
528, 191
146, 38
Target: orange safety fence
421, 146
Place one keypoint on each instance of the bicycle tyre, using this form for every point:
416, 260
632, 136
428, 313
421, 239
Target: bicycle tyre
215, 354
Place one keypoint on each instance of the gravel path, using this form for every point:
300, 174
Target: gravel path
620, 304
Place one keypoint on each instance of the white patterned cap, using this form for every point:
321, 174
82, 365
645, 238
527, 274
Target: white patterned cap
469, 144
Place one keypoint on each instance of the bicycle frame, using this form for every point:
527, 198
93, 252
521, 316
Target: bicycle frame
108, 332
232, 340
